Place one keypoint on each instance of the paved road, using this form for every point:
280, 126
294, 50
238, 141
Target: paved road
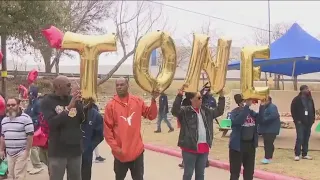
157, 167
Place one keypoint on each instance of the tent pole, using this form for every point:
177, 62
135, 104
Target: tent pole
295, 78
4, 72
293, 69
269, 22
266, 78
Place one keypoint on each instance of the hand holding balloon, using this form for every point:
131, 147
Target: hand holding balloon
155, 94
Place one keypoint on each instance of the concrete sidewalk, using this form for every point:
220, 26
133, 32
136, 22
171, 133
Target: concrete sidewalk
157, 167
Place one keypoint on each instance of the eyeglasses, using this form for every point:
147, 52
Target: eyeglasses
11, 105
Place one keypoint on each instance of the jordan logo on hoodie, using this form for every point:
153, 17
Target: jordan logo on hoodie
128, 119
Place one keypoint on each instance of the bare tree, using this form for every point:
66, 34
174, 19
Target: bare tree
78, 17
277, 30
262, 38
131, 26
184, 49
84, 17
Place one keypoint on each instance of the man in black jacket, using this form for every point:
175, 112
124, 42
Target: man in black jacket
303, 114
64, 114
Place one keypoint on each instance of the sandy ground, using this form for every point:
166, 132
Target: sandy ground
282, 163
287, 139
157, 167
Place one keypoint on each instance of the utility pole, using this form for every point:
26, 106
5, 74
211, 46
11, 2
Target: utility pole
4, 72
269, 22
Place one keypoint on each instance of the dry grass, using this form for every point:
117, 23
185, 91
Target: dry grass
283, 159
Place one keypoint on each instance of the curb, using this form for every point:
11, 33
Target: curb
219, 164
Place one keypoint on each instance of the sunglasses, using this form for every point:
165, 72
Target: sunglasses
11, 105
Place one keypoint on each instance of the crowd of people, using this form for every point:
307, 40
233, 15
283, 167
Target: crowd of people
55, 129
247, 125
72, 128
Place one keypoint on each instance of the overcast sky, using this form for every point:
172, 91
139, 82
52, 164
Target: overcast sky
253, 13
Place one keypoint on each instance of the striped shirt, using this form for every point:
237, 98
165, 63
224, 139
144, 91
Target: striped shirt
15, 132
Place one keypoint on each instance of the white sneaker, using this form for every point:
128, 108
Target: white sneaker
307, 157
297, 158
36, 171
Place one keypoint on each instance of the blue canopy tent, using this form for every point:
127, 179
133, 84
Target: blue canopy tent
293, 54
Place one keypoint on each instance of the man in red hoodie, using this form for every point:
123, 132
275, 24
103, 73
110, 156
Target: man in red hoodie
122, 125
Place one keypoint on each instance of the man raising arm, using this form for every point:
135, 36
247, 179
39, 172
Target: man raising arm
64, 114
122, 128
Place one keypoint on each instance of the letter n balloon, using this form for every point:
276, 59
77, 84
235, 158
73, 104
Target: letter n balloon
201, 59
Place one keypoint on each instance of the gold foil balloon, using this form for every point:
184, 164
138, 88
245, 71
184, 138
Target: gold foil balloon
201, 60
89, 48
248, 54
256, 73
141, 73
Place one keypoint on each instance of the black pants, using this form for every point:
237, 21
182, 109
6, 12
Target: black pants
207, 161
86, 168
58, 166
136, 168
268, 140
245, 157
302, 141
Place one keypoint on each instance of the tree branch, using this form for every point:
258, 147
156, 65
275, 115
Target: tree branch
135, 26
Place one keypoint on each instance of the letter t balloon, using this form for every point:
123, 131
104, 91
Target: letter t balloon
89, 47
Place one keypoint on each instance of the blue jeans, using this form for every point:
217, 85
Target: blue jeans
163, 116
194, 162
303, 134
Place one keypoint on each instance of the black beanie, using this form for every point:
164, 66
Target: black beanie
303, 87
238, 98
